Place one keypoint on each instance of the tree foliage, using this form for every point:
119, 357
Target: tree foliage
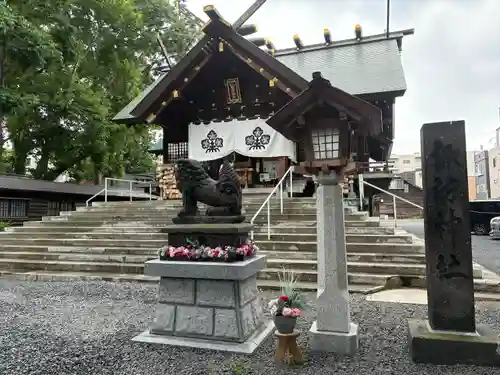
66, 67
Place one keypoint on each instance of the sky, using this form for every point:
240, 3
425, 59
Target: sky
451, 63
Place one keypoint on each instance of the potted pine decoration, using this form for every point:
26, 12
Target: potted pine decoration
289, 306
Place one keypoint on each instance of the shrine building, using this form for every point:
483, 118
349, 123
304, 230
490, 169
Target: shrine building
214, 103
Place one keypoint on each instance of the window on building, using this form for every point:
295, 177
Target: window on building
177, 151
10, 208
53, 209
406, 188
494, 162
406, 161
66, 206
479, 169
396, 184
4, 208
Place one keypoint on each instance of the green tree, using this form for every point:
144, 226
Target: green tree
26, 49
100, 57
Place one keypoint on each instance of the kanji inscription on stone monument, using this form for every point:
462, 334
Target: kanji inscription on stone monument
447, 233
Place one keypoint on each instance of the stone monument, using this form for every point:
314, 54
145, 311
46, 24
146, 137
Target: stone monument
208, 296
450, 335
333, 330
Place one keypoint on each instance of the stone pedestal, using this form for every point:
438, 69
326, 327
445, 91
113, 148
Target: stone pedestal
208, 305
450, 336
333, 331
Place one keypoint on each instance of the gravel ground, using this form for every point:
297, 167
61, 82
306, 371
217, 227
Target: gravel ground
63, 328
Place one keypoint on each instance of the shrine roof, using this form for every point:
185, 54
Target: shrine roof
369, 66
372, 65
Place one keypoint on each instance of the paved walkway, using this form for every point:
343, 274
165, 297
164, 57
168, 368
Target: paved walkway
485, 251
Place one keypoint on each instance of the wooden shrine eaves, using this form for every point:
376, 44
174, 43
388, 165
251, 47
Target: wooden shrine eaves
163, 90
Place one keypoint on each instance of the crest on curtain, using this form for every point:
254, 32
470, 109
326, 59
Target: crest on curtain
213, 143
257, 140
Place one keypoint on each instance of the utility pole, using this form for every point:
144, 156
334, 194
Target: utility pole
388, 17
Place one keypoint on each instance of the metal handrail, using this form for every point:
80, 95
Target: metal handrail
394, 196
267, 201
92, 197
130, 182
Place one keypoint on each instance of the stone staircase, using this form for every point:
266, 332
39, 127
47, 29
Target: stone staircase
111, 241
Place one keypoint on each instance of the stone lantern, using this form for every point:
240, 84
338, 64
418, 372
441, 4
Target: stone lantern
330, 124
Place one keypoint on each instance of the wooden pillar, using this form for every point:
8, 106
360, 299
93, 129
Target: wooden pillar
165, 147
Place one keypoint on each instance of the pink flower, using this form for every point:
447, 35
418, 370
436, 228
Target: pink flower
296, 312
287, 311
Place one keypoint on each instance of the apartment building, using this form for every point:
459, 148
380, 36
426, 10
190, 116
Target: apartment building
494, 167
482, 168
406, 163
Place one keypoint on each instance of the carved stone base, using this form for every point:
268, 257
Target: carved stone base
452, 348
208, 305
212, 235
201, 219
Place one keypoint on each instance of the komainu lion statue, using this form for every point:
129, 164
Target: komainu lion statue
223, 197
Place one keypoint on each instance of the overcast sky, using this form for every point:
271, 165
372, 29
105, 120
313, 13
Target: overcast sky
452, 63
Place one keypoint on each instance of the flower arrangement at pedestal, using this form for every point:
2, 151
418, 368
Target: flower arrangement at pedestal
289, 306
193, 251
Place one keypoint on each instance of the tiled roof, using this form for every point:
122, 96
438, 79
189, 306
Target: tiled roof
370, 66
27, 184
359, 68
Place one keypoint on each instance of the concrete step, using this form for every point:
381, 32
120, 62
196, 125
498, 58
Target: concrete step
93, 222
92, 235
159, 215
306, 269
173, 212
37, 251
69, 249
310, 276
53, 265
118, 277
351, 257
310, 246
295, 236
18, 265
488, 289
400, 269
311, 229
310, 286
275, 205
77, 257
168, 218
54, 230
53, 242
145, 228
296, 264
178, 203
